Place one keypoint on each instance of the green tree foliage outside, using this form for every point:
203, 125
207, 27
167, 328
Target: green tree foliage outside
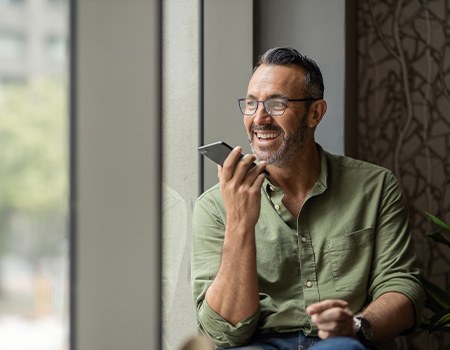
33, 167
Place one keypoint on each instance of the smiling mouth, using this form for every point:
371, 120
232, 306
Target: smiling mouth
266, 136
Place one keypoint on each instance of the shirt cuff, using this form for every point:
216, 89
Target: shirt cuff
223, 333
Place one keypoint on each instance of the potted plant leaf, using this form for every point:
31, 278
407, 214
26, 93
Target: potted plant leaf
437, 300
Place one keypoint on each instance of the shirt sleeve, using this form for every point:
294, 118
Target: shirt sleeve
223, 333
395, 267
208, 235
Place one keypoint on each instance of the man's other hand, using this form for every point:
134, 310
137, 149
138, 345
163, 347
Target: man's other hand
332, 318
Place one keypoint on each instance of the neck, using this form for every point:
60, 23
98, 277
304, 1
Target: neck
298, 178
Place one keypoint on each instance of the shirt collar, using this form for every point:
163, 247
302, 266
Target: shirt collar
322, 182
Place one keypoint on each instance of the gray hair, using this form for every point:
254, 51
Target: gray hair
313, 86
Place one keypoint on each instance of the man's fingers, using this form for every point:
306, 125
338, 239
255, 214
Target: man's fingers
325, 305
334, 321
337, 314
255, 171
241, 170
230, 163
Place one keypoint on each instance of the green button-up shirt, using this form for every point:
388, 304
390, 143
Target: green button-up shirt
350, 241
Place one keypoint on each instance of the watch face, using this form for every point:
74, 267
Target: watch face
366, 329
363, 329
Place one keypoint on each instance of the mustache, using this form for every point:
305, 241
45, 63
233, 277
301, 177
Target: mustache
266, 127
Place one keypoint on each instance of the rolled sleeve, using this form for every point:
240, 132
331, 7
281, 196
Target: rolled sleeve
208, 236
413, 291
223, 333
395, 268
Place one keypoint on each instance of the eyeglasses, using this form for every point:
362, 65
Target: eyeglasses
273, 106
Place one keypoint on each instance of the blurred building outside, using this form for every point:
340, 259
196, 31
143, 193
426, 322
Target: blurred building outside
34, 174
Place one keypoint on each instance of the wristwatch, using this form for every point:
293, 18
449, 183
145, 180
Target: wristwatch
363, 329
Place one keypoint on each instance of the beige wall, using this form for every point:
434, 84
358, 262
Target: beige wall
316, 29
228, 60
116, 206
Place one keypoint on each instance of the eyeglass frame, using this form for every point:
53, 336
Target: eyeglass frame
285, 99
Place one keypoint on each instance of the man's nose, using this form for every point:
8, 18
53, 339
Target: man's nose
261, 114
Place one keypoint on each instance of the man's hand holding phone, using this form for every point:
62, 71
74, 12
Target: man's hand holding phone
240, 184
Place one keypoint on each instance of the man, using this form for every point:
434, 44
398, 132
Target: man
315, 254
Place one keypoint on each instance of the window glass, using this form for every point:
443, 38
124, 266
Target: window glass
56, 48
11, 2
33, 179
57, 2
12, 45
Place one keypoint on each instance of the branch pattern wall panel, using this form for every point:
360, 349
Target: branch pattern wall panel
404, 110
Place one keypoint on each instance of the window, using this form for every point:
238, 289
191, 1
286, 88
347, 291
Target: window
33, 189
56, 48
57, 4
12, 2
12, 45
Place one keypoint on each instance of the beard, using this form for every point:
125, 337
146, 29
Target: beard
289, 149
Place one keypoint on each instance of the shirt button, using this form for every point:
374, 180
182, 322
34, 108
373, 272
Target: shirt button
277, 207
309, 284
303, 239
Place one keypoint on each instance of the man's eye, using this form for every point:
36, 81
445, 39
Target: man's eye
277, 104
251, 104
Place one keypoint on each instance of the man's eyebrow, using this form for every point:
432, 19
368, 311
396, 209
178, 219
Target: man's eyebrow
270, 96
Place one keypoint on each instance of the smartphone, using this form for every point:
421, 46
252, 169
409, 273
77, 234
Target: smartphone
218, 151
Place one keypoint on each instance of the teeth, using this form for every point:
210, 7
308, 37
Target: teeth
266, 136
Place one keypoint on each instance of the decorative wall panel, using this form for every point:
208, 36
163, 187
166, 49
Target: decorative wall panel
403, 120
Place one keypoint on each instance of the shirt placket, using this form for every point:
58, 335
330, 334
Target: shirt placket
307, 263
306, 260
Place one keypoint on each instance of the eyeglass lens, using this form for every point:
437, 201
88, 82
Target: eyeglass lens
273, 106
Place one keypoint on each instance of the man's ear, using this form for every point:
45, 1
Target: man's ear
316, 113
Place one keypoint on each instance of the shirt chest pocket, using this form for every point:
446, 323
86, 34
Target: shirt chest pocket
350, 259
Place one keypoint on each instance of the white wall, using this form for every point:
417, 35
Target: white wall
225, 74
180, 160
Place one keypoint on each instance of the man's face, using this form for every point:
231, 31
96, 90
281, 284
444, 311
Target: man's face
277, 140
